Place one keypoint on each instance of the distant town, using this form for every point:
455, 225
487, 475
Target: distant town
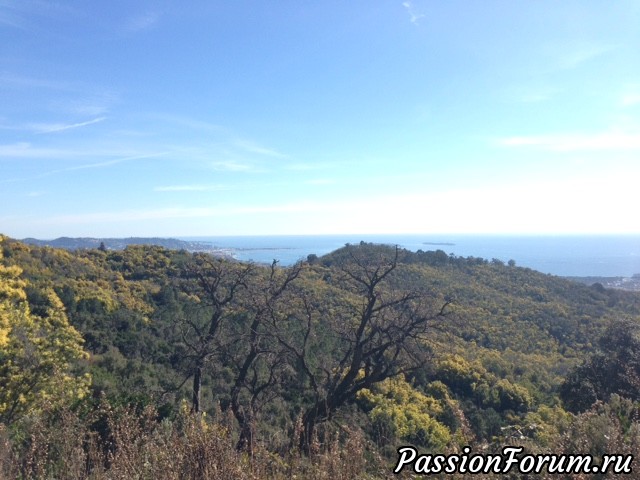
622, 283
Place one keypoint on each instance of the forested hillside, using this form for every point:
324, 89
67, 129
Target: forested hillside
273, 370
120, 243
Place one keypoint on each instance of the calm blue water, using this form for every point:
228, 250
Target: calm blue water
603, 256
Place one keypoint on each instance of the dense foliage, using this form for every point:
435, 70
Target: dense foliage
37, 350
372, 343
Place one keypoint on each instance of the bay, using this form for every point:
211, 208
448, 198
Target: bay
570, 255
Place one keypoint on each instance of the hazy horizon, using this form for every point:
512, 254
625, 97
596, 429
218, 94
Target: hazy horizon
212, 118
438, 236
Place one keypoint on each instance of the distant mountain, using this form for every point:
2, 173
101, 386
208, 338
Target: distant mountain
69, 243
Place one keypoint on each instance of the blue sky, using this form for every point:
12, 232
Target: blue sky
163, 118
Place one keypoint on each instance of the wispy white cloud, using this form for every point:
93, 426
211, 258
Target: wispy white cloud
576, 142
414, 15
35, 194
26, 150
252, 147
86, 100
106, 163
189, 122
60, 127
235, 151
87, 107
18, 81
73, 98
40, 128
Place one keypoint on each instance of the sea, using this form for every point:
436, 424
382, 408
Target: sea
566, 255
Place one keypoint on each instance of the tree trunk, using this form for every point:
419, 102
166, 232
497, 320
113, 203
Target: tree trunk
197, 386
245, 440
309, 421
245, 421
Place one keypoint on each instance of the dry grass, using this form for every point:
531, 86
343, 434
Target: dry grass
125, 443
128, 444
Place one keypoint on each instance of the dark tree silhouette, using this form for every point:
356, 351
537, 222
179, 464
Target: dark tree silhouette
258, 359
215, 283
239, 299
376, 332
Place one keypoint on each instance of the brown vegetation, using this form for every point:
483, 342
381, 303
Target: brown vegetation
122, 443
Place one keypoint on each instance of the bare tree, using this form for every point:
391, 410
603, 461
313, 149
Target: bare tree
258, 359
358, 329
376, 333
239, 299
215, 284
